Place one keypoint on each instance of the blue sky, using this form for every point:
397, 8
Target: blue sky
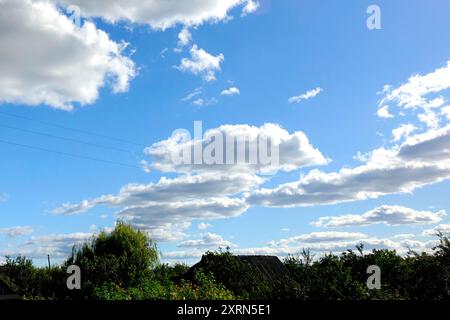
137, 96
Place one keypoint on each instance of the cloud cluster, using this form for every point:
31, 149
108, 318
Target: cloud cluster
48, 60
388, 215
414, 93
166, 208
421, 160
160, 14
293, 150
421, 92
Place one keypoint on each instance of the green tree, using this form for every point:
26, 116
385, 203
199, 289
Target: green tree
123, 257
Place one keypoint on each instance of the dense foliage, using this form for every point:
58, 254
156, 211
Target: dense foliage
123, 264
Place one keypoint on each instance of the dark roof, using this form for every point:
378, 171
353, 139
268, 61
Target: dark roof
269, 266
6, 292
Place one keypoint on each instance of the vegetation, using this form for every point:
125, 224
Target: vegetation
123, 265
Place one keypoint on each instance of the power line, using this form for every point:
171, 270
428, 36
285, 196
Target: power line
72, 129
64, 138
67, 154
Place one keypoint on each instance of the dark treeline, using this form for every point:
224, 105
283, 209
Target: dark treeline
124, 265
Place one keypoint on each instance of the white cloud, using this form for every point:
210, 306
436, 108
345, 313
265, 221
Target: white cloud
421, 160
167, 208
420, 92
388, 215
404, 236
319, 237
443, 228
55, 245
201, 102
445, 111
167, 221
197, 91
184, 188
413, 93
250, 7
430, 118
295, 150
204, 226
184, 37
14, 232
403, 131
46, 59
305, 96
201, 63
156, 13
230, 92
431, 146
383, 112
208, 241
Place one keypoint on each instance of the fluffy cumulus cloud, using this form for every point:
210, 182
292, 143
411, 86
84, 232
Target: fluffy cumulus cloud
388, 215
250, 7
290, 150
421, 160
54, 62
201, 63
383, 112
305, 96
232, 91
420, 92
414, 93
160, 14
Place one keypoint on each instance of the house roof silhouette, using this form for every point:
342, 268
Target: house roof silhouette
270, 268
